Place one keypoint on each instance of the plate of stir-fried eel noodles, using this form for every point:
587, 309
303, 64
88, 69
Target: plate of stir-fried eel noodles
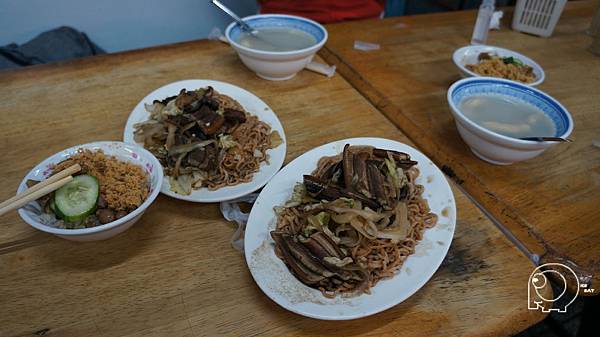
350, 228
215, 141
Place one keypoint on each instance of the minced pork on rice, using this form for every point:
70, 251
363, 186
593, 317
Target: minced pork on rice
123, 185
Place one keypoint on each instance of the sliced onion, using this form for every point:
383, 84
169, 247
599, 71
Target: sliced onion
181, 185
394, 236
361, 275
144, 132
341, 228
149, 107
171, 128
337, 262
177, 165
385, 221
275, 139
350, 240
364, 213
343, 218
361, 228
401, 218
330, 234
185, 148
188, 126
400, 227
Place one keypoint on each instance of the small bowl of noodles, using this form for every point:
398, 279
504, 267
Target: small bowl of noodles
490, 61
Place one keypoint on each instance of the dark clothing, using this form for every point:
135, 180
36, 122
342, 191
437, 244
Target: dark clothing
59, 44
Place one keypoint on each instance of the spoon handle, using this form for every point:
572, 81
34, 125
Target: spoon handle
225, 9
546, 139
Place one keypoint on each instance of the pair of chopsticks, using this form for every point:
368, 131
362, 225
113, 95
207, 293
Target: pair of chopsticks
38, 190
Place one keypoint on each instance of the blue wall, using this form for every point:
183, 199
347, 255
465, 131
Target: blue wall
117, 25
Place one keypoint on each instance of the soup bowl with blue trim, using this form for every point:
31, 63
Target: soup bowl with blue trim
496, 148
276, 65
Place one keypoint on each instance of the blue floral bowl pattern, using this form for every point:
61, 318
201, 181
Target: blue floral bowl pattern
519, 92
494, 147
277, 65
302, 24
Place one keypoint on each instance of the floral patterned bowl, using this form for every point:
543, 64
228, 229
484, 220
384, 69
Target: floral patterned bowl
33, 214
496, 148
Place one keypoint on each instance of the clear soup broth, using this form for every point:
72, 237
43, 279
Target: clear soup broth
277, 39
507, 116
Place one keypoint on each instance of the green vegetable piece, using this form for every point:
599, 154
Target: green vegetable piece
390, 164
512, 60
76, 200
323, 218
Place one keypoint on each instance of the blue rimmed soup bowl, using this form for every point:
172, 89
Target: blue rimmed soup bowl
494, 147
277, 65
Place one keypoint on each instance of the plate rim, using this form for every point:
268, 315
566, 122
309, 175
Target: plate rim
208, 199
422, 282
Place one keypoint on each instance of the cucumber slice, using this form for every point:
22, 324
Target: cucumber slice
78, 199
52, 205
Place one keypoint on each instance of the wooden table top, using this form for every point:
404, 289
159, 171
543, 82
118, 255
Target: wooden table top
549, 203
174, 273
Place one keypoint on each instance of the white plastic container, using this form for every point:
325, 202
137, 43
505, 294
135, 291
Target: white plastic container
482, 24
537, 17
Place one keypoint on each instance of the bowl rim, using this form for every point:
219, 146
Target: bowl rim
529, 61
84, 231
316, 46
497, 136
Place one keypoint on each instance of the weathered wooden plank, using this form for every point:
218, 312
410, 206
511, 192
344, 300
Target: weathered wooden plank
174, 273
549, 203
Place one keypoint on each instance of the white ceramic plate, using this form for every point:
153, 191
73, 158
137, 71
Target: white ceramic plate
251, 103
469, 55
275, 280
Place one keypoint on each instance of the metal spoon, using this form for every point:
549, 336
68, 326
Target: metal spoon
229, 12
546, 139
